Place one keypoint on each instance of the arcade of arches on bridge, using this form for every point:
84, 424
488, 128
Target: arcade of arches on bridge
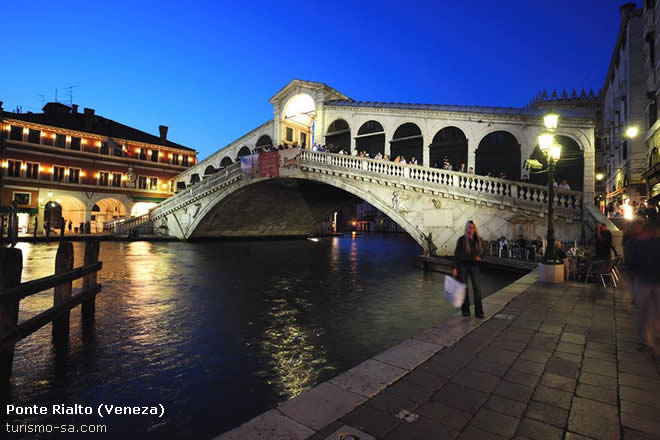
486, 139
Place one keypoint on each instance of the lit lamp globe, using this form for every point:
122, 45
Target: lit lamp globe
600, 176
550, 120
632, 132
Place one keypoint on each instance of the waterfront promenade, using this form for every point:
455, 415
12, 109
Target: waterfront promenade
548, 362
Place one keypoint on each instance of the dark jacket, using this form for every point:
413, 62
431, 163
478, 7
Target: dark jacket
462, 258
642, 259
603, 245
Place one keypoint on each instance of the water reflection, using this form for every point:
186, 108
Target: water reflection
220, 332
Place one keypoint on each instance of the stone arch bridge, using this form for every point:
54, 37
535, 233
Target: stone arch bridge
430, 204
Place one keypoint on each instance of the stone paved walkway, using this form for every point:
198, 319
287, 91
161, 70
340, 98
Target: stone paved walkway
550, 362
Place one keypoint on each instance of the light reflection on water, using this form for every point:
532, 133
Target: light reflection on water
220, 332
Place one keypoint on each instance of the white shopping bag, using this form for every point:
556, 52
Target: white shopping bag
454, 291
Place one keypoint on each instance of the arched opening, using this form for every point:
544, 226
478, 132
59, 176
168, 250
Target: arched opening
407, 142
569, 167
244, 151
105, 210
53, 215
338, 137
264, 141
209, 170
499, 152
299, 115
225, 162
449, 144
371, 138
142, 208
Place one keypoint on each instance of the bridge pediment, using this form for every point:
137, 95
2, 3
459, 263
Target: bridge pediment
317, 90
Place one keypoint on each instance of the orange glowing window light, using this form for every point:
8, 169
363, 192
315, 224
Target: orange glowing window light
53, 136
83, 141
98, 143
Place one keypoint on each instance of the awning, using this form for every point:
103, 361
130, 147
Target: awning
148, 199
615, 193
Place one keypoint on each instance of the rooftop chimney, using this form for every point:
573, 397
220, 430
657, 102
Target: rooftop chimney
74, 108
89, 118
627, 9
0, 106
163, 134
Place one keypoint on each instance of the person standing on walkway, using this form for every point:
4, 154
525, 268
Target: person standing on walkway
603, 243
469, 249
642, 255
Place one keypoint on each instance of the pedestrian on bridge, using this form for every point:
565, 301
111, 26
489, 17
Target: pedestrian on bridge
469, 249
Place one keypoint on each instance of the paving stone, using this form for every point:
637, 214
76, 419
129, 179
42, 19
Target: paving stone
422, 428
604, 348
577, 329
568, 357
408, 354
562, 367
641, 424
598, 380
478, 380
573, 338
553, 329
597, 393
567, 347
531, 324
391, 403
594, 419
514, 391
610, 357
522, 378
327, 431
438, 412
529, 367
536, 355
639, 369
641, 382
472, 433
643, 411
544, 342
562, 383
495, 422
639, 396
411, 391
629, 434
271, 425
509, 344
547, 414
346, 430
498, 355
553, 397
536, 430
421, 378
368, 378
460, 397
597, 366
506, 406
371, 421
574, 436
492, 368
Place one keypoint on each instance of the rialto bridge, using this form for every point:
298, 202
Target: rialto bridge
217, 199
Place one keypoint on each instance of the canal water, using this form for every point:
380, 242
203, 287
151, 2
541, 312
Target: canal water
219, 332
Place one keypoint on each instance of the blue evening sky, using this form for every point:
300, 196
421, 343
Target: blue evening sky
207, 69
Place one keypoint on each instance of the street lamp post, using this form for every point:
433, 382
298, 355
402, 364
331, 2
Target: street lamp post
553, 153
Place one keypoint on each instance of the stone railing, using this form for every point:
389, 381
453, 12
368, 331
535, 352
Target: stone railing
229, 173
488, 189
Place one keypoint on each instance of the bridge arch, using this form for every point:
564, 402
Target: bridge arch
264, 141
338, 136
570, 165
449, 142
244, 151
371, 138
226, 161
209, 170
407, 142
231, 194
499, 151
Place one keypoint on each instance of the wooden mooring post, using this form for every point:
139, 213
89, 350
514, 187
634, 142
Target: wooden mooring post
12, 291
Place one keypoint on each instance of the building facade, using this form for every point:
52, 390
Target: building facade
651, 174
65, 167
624, 99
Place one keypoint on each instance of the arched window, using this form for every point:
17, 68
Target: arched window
449, 143
569, 167
371, 138
499, 152
263, 142
209, 170
338, 136
407, 142
225, 162
244, 151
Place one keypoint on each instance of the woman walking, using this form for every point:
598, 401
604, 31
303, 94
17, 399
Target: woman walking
467, 256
